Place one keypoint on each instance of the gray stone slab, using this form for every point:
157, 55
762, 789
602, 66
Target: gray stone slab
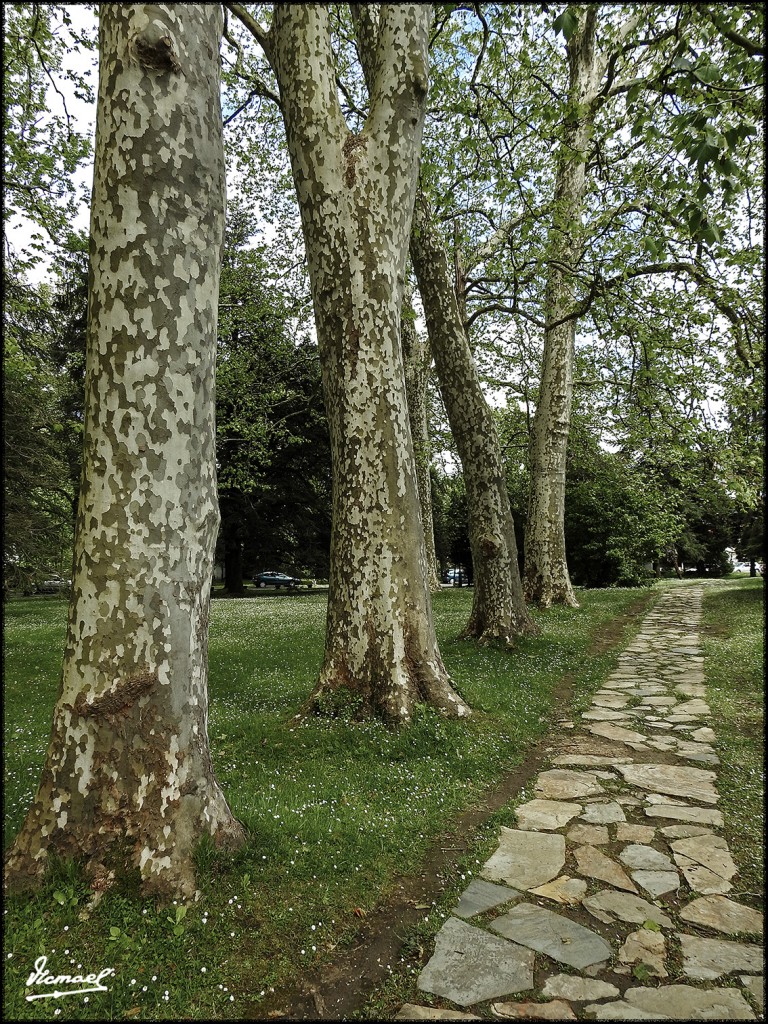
656, 883
546, 814
723, 915
525, 859
617, 733
626, 833
711, 851
619, 1010
756, 988
554, 935
646, 947
683, 1002
577, 990
589, 760
555, 1010
708, 959
593, 863
606, 715
410, 1011
564, 784
692, 783
645, 858
570, 891
696, 815
684, 831
469, 965
480, 896
609, 906
701, 879
588, 835
603, 813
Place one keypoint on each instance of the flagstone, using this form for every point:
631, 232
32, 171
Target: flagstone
577, 990
683, 1002
663, 798
554, 935
620, 1010
480, 896
694, 783
692, 689
646, 947
684, 831
470, 965
645, 858
594, 864
696, 815
723, 915
711, 851
555, 1010
701, 879
589, 760
606, 715
525, 859
546, 814
707, 959
564, 783
564, 889
756, 988
603, 813
590, 835
611, 700
634, 833
617, 733
608, 906
410, 1011
656, 883
704, 735
696, 707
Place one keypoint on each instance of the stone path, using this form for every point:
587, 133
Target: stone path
609, 901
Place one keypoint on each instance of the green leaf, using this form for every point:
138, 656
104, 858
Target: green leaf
60, 897
114, 933
652, 926
178, 930
567, 23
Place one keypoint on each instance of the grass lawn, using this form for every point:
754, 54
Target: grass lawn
335, 811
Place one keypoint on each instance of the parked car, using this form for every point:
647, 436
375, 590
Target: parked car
53, 585
456, 576
276, 579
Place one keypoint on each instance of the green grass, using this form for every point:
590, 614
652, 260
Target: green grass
733, 651
335, 810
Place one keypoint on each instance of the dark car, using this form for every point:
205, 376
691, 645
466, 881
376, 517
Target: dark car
275, 579
54, 585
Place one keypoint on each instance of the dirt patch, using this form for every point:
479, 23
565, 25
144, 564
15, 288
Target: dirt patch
338, 990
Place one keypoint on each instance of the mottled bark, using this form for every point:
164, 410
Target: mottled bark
128, 776
498, 608
417, 359
356, 195
547, 580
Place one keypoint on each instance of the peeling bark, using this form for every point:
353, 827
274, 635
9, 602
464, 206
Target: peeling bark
498, 607
356, 196
417, 359
128, 776
547, 580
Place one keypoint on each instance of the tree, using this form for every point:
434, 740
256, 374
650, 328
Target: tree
498, 607
128, 776
356, 194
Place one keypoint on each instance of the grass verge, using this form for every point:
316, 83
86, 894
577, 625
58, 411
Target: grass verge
335, 811
733, 620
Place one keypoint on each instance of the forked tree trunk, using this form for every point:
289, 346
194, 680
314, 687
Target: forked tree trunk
356, 196
547, 580
128, 775
417, 357
498, 607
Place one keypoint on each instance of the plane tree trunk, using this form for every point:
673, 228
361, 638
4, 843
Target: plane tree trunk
546, 579
356, 196
128, 778
498, 607
417, 359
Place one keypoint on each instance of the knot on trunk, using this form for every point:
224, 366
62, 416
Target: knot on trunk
353, 144
120, 697
155, 50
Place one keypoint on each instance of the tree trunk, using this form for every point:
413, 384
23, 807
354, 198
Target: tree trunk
128, 776
547, 581
498, 607
416, 356
356, 199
